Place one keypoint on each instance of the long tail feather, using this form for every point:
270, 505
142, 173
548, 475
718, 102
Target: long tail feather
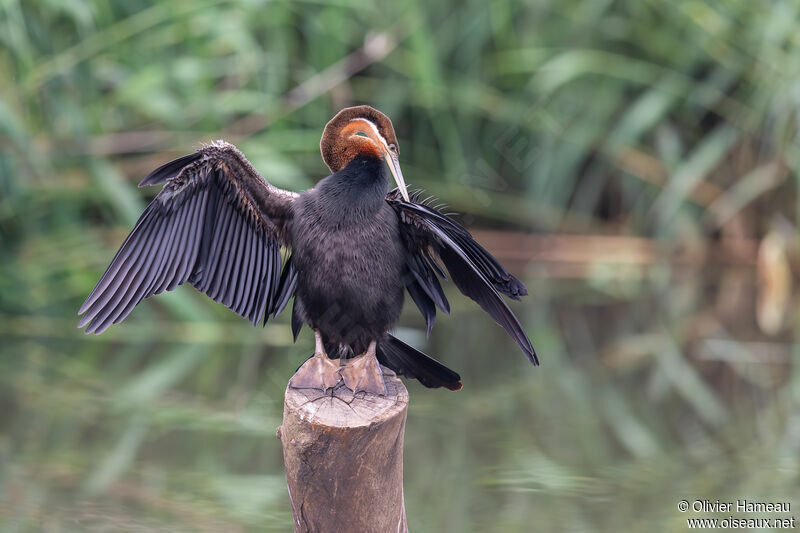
412, 363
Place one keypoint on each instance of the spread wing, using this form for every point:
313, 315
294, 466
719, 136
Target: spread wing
430, 235
216, 224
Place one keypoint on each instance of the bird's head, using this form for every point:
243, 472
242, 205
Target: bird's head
358, 131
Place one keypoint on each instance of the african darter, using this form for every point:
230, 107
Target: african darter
355, 249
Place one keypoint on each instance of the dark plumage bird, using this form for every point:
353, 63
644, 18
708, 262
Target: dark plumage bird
355, 250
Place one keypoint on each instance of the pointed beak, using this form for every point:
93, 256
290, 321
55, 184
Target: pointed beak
397, 174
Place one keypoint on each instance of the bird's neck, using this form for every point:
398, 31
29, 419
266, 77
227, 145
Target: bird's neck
359, 188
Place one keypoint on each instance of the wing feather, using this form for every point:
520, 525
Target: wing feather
235, 261
120, 261
248, 293
163, 254
287, 284
267, 281
257, 301
274, 278
425, 274
475, 272
175, 252
193, 241
488, 265
217, 245
116, 280
168, 170
242, 295
424, 303
222, 275
216, 224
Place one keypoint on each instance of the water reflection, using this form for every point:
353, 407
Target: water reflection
654, 388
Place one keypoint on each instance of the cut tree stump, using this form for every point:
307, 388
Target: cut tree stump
343, 455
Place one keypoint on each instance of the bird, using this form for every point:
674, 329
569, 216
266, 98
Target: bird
347, 251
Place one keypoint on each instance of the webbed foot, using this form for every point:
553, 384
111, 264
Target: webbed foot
319, 372
363, 373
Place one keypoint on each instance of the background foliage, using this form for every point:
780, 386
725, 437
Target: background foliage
634, 160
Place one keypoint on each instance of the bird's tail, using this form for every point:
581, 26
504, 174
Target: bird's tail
411, 363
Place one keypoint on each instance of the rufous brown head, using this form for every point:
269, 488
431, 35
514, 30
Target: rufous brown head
361, 131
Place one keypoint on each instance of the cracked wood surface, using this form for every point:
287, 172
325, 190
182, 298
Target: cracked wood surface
343, 454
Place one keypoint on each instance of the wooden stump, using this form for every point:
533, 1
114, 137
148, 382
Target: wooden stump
344, 458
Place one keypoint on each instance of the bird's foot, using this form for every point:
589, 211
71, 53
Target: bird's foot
319, 372
363, 373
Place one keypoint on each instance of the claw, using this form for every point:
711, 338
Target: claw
363, 373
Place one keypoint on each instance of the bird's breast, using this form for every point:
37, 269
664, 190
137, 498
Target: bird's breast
347, 258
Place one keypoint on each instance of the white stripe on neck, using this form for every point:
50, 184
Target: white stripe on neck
374, 129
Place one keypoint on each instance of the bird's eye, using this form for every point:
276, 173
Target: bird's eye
393, 148
362, 134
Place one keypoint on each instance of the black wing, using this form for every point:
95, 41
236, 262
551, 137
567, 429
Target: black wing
429, 234
216, 224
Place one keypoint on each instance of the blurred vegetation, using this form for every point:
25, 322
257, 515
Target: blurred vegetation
636, 160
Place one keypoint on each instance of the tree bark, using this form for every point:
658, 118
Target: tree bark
343, 455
